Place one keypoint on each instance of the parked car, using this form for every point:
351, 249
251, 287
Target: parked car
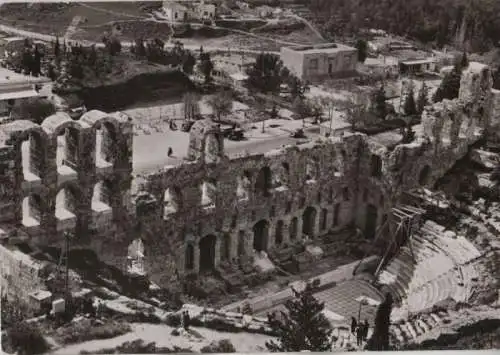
298, 133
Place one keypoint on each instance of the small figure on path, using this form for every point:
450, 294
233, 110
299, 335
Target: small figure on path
170, 152
366, 326
354, 324
186, 320
359, 334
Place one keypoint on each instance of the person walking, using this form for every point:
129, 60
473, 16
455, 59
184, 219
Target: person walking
354, 324
366, 327
170, 152
359, 335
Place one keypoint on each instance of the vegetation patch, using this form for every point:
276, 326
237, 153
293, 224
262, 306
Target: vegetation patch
139, 347
87, 329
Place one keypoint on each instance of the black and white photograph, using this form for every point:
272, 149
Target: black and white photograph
249, 176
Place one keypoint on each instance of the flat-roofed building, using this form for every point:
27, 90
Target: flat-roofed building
15, 86
320, 61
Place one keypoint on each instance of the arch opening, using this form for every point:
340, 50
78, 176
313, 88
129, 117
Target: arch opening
424, 176
376, 166
371, 221
136, 258
32, 157
241, 243
189, 258
312, 169
243, 188
260, 235
294, 228
309, 222
212, 148
279, 233
66, 151
207, 253
66, 201
101, 196
336, 214
208, 193
32, 211
323, 219
225, 247
105, 145
263, 182
171, 200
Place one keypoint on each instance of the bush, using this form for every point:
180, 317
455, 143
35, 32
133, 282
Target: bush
174, 320
223, 346
25, 338
91, 330
139, 347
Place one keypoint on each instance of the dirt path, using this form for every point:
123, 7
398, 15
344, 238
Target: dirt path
161, 335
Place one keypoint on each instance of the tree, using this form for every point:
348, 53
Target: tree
191, 106
34, 109
57, 48
317, 110
297, 87
27, 339
464, 61
449, 87
303, 326
221, 104
188, 63
302, 109
410, 107
380, 338
362, 47
206, 66
266, 74
139, 48
112, 44
422, 99
356, 111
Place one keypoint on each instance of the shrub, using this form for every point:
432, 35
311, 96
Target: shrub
89, 330
173, 320
223, 346
26, 339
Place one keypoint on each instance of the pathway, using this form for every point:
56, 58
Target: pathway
70, 31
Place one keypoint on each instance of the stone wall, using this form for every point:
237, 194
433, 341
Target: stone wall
213, 209
210, 210
21, 275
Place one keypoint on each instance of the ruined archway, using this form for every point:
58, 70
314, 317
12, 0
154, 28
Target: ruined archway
212, 148
312, 169
102, 196
189, 258
105, 144
207, 253
135, 257
424, 176
244, 184
278, 238
260, 235
371, 221
208, 193
263, 182
32, 210
293, 228
309, 222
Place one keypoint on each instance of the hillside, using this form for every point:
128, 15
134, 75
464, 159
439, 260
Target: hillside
473, 24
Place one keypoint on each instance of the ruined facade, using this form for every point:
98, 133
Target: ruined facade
212, 209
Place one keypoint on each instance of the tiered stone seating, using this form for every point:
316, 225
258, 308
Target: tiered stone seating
408, 331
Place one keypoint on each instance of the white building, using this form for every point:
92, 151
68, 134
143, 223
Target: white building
320, 61
186, 10
15, 87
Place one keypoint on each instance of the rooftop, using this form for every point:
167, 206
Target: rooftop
322, 48
8, 76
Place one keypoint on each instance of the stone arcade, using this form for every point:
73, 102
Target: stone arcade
211, 208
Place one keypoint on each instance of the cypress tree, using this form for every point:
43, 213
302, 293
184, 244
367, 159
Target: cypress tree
303, 326
380, 338
410, 107
422, 100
